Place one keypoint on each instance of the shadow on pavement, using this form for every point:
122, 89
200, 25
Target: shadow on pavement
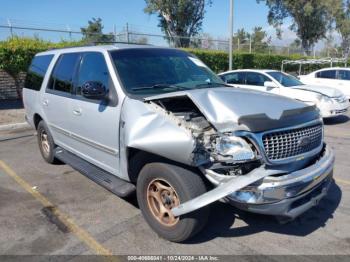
223, 216
11, 104
336, 120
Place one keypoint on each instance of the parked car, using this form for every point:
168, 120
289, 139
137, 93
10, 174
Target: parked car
336, 77
159, 122
330, 101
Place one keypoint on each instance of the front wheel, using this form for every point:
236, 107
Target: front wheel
160, 187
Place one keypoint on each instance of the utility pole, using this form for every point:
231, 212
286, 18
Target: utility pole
230, 35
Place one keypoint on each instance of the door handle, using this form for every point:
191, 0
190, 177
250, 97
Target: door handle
45, 102
77, 112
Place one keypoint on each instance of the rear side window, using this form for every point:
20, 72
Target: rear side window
234, 78
256, 79
93, 68
330, 74
63, 73
344, 74
37, 71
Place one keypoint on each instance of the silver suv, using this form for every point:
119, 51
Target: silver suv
159, 122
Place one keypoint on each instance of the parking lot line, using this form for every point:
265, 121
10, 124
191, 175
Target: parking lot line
68, 222
342, 181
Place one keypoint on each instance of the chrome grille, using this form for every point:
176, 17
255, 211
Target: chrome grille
288, 143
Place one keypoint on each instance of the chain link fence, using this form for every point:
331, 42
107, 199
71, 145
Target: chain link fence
143, 35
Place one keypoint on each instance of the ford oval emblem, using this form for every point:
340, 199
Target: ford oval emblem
304, 141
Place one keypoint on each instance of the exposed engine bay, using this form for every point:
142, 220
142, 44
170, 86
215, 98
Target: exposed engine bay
208, 139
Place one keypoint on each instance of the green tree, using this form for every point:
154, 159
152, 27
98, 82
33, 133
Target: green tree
241, 40
341, 12
310, 19
260, 40
93, 32
179, 20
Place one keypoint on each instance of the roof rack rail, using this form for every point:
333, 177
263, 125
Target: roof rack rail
72, 46
116, 42
95, 43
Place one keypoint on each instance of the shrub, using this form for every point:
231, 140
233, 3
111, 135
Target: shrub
218, 60
16, 54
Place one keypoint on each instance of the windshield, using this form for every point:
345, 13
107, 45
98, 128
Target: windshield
285, 79
150, 71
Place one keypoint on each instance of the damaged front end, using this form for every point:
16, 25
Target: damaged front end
239, 150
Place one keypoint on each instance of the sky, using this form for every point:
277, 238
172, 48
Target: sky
75, 14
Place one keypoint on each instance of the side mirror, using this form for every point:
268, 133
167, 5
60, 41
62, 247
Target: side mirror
270, 85
94, 90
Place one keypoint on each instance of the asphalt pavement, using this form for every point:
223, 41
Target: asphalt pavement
52, 209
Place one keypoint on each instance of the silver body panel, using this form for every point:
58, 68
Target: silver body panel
103, 135
224, 106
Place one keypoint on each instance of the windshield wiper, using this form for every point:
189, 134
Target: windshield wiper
159, 86
212, 84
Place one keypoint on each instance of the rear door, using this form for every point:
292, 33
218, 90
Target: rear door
57, 98
256, 81
95, 123
344, 82
327, 78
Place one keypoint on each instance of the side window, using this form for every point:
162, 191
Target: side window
93, 67
37, 71
330, 74
63, 73
256, 79
234, 78
344, 74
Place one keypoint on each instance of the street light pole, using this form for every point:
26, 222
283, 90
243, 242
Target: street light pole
230, 35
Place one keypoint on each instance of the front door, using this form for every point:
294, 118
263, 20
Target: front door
95, 125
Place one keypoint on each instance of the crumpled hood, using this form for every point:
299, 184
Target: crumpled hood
324, 90
230, 109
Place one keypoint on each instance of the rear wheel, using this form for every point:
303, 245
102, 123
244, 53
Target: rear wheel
46, 143
160, 187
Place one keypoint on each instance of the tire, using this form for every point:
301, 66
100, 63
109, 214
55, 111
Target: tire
46, 143
185, 185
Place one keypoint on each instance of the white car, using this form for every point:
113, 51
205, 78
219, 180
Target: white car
337, 77
330, 101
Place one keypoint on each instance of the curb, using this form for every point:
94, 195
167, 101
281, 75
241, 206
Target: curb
15, 126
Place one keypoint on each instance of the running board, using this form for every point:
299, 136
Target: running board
109, 181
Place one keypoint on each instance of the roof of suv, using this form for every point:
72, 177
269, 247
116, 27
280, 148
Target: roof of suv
94, 48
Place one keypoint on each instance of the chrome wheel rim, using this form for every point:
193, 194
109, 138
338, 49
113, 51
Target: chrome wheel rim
161, 198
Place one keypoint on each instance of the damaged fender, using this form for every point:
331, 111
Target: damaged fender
147, 127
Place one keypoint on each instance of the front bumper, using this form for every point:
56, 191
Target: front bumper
266, 191
334, 109
291, 207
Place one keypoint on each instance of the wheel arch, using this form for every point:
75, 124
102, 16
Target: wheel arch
36, 120
138, 158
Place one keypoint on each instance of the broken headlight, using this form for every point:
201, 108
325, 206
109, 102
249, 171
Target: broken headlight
235, 148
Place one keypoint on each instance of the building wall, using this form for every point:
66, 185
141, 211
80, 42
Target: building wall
7, 85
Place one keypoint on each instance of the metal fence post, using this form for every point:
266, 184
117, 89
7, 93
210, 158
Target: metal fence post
127, 33
250, 44
115, 32
10, 26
